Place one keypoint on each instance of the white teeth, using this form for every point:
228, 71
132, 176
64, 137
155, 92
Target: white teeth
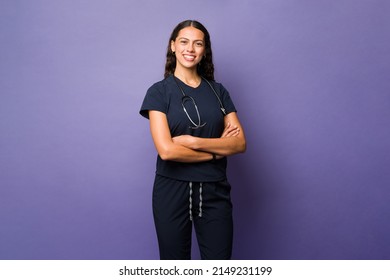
189, 57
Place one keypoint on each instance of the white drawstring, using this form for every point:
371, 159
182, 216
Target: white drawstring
190, 201
200, 200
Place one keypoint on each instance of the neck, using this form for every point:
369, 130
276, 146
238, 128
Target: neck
189, 77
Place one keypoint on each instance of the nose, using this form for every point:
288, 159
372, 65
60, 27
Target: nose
190, 48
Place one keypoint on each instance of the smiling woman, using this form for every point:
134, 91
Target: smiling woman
180, 38
194, 126
189, 49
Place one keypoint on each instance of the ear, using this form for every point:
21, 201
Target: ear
173, 46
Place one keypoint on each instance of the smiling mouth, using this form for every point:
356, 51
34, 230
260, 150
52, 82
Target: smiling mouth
189, 57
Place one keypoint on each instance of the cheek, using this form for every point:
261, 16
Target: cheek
179, 48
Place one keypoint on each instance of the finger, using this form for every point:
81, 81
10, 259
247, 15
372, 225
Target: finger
230, 129
233, 133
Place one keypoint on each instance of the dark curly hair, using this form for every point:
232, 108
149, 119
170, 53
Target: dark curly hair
206, 67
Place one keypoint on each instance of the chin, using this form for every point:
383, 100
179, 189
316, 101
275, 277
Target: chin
189, 65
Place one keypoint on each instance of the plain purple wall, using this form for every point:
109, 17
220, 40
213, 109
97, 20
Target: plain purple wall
311, 83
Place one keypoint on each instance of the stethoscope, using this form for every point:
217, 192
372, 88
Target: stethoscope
185, 98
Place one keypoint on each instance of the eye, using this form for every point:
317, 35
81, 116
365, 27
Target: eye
183, 42
199, 44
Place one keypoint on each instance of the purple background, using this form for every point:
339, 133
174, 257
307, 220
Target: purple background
310, 80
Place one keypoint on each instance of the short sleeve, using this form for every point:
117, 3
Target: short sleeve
226, 99
155, 99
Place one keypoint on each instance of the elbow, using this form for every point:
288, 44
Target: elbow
165, 153
238, 148
242, 147
163, 156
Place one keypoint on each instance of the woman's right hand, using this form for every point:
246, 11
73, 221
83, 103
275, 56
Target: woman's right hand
230, 131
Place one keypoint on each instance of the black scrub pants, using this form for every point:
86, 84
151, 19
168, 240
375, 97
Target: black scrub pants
214, 229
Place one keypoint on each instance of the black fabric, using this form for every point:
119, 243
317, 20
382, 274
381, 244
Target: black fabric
214, 230
165, 96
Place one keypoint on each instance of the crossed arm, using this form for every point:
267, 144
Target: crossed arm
187, 148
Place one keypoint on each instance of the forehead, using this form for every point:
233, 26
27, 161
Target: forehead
191, 33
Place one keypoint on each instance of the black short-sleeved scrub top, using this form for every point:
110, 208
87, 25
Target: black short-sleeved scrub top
165, 96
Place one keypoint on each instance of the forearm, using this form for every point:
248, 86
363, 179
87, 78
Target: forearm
179, 153
220, 146
232, 140
166, 147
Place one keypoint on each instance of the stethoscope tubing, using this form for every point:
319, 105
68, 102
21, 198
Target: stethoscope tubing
183, 100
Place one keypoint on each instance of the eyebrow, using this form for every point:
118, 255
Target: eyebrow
180, 38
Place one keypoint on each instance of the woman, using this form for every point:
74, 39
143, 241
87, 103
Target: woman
194, 126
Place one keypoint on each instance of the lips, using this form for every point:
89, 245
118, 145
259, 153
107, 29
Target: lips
189, 57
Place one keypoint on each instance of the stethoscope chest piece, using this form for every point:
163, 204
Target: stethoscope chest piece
186, 98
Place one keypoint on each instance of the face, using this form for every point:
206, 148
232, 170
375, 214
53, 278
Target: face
189, 47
